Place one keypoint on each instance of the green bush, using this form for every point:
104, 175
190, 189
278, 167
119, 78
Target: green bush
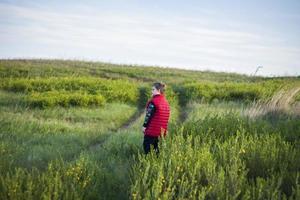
222, 155
65, 99
112, 90
244, 166
228, 91
60, 180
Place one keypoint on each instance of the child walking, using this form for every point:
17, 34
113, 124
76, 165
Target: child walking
156, 119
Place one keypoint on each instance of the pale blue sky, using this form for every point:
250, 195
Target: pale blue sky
221, 35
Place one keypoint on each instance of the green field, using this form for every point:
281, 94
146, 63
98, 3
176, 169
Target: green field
72, 130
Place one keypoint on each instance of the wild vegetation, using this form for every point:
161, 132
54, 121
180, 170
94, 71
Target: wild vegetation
72, 130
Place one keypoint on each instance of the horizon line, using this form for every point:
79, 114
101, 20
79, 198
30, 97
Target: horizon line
186, 68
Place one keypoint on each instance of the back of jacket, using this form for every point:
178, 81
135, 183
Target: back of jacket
159, 122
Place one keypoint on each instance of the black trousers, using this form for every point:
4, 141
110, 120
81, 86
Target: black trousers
150, 140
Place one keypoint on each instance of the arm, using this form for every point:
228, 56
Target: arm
149, 114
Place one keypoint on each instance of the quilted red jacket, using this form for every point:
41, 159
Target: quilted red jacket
159, 121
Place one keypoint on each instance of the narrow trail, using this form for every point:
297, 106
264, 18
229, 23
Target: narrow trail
182, 118
183, 115
125, 126
131, 121
94, 146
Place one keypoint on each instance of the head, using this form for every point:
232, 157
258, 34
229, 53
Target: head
158, 88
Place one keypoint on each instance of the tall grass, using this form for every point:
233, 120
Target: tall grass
242, 167
65, 99
221, 156
80, 152
228, 91
282, 101
96, 174
33, 137
111, 90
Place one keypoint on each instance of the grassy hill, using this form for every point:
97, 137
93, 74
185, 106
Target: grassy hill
72, 130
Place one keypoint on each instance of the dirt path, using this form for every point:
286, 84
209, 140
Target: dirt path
183, 115
125, 126
131, 121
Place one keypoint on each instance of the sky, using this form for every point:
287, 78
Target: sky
221, 35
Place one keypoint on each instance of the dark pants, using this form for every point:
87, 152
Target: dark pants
150, 140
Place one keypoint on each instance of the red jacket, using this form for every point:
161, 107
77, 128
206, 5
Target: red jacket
159, 121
